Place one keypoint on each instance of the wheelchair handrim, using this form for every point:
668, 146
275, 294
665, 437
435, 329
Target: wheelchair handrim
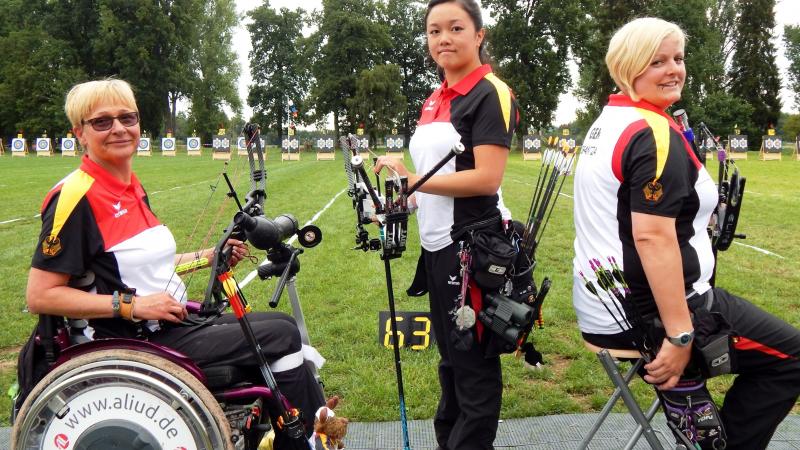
182, 413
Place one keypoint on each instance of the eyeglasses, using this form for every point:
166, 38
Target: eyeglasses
104, 123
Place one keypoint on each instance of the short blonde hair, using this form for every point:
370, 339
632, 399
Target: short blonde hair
84, 97
633, 46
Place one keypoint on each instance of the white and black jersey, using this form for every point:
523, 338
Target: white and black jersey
478, 110
635, 159
102, 233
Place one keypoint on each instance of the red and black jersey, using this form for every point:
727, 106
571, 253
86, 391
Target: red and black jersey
102, 233
478, 110
635, 159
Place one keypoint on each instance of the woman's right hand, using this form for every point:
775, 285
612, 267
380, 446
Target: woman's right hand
159, 306
665, 371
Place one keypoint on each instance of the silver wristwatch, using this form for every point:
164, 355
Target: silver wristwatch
683, 339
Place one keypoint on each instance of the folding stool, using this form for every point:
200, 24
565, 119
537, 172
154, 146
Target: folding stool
608, 359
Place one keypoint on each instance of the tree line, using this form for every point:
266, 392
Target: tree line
366, 61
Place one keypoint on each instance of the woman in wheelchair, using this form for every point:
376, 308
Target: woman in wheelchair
643, 202
104, 256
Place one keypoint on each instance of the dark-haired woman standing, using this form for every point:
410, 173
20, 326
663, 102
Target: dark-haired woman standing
474, 107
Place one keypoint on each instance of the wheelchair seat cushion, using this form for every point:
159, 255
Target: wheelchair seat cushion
218, 377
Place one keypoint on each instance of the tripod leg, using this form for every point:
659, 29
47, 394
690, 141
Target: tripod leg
297, 313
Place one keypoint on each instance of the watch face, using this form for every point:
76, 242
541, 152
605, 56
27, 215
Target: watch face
685, 338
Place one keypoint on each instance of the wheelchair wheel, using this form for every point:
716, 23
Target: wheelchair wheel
120, 399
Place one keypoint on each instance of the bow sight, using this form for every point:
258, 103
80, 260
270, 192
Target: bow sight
391, 216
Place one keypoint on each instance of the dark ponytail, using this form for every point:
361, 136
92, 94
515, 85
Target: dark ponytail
474, 12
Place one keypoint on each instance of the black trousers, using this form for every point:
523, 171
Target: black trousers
766, 360
223, 344
471, 383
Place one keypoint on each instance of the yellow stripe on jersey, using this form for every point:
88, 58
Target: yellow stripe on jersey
504, 93
72, 191
660, 127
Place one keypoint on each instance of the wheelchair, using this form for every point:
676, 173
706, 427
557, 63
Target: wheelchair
133, 394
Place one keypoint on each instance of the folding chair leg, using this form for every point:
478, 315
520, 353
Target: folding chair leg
630, 402
651, 412
610, 405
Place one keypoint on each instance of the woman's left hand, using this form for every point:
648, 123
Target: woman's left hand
239, 251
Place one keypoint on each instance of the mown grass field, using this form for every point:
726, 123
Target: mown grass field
343, 290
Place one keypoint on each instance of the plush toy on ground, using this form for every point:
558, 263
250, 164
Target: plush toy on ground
329, 430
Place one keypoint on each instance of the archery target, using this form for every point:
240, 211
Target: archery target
738, 143
532, 143
43, 145
168, 144
144, 144
241, 143
363, 142
325, 143
394, 142
772, 144
221, 144
193, 143
67, 144
18, 145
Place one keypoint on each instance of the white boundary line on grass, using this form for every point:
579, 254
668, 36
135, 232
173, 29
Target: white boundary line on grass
11, 220
253, 274
761, 250
175, 188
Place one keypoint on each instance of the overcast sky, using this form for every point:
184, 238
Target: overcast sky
786, 12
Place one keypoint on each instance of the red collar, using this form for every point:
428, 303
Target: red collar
467, 83
624, 100
101, 175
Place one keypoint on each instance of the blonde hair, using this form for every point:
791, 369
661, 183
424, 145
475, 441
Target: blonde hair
84, 97
633, 46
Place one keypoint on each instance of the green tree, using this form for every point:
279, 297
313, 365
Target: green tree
790, 126
215, 69
530, 42
347, 41
602, 19
132, 44
276, 64
754, 75
33, 82
378, 101
404, 20
791, 36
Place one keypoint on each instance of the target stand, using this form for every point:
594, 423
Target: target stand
144, 147
394, 146
222, 148
771, 147
531, 147
737, 146
326, 150
44, 147
168, 146
19, 146
68, 146
290, 148
193, 146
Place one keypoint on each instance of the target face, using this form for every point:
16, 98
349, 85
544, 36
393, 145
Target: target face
42, 144
67, 144
144, 144
17, 145
193, 143
168, 144
241, 144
